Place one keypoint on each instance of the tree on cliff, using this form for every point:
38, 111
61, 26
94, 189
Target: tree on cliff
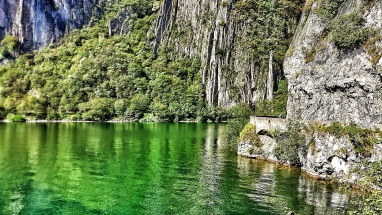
8, 46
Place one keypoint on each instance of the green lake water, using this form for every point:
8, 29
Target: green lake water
146, 168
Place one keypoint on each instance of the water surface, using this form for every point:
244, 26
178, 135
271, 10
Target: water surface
153, 168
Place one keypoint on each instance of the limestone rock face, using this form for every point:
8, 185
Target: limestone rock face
206, 38
215, 33
37, 23
322, 153
120, 24
329, 83
264, 152
331, 157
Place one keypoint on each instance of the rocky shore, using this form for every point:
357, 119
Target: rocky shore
325, 152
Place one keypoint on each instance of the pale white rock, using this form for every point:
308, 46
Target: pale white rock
37, 23
211, 26
337, 85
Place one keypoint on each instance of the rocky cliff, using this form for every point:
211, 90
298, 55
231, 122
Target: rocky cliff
330, 151
241, 44
234, 41
327, 156
37, 23
334, 64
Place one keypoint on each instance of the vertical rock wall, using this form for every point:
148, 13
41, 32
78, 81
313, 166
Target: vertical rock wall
217, 32
37, 23
331, 83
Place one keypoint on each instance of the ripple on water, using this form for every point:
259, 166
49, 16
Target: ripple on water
137, 168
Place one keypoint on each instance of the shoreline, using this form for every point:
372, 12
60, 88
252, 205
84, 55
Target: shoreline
313, 176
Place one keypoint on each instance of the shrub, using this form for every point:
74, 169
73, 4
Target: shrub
52, 114
132, 115
241, 110
238, 118
276, 107
249, 135
335, 128
370, 202
9, 44
139, 103
348, 31
289, 144
160, 110
3, 52
119, 107
97, 109
362, 139
2, 112
15, 118
328, 8
234, 127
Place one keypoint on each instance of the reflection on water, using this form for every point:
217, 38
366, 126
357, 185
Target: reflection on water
322, 195
286, 189
154, 168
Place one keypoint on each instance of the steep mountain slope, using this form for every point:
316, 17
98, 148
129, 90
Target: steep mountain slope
334, 65
173, 59
234, 41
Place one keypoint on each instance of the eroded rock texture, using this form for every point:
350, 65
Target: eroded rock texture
331, 83
323, 156
37, 23
222, 35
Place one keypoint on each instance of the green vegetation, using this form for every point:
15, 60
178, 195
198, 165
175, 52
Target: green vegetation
289, 144
328, 9
249, 135
8, 46
348, 31
308, 6
276, 107
298, 138
272, 28
15, 118
372, 49
239, 117
370, 200
90, 75
362, 139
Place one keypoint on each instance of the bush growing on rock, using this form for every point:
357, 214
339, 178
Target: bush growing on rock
249, 135
8, 45
328, 8
362, 139
371, 200
348, 31
289, 144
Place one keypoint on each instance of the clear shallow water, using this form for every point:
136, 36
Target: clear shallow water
154, 168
